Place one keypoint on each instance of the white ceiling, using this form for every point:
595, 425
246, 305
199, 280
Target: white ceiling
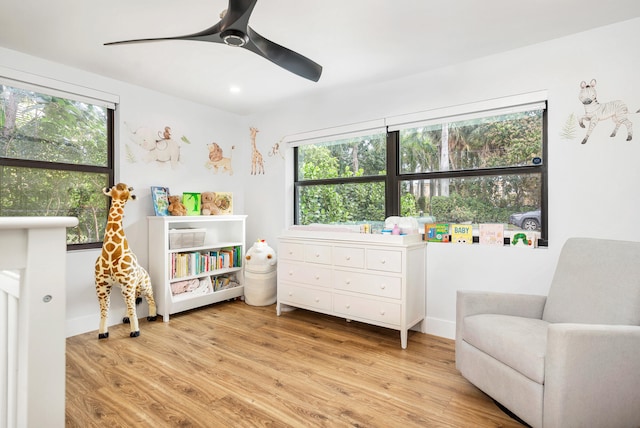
356, 41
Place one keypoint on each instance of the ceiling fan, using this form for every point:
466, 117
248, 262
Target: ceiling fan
233, 30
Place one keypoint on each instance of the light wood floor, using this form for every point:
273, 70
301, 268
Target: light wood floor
234, 365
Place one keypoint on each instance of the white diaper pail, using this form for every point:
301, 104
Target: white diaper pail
260, 287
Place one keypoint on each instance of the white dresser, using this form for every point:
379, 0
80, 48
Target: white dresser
376, 279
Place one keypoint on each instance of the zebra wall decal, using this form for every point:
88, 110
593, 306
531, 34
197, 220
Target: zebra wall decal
594, 111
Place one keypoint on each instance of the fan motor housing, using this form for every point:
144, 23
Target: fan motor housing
233, 37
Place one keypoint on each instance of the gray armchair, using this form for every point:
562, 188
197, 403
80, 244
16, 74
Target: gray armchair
569, 359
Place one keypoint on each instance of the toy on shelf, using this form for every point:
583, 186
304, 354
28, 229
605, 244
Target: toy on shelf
176, 207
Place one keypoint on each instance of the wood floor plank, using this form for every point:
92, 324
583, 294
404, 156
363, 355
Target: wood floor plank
235, 365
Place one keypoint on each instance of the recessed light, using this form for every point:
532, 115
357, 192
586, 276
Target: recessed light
234, 89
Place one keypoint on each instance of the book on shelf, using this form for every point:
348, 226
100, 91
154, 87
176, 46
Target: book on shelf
191, 201
436, 232
491, 234
160, 198
199, 262
462, 234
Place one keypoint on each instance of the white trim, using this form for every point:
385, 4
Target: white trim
57, 88
492, 107
336, 133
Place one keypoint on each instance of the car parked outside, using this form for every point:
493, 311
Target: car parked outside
529, 220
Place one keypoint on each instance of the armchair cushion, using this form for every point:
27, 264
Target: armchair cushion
596, 282
518, 342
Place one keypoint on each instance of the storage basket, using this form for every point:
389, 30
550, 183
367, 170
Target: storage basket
186, 238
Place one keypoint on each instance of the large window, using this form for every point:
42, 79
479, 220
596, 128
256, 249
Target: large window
56, 155
482, 167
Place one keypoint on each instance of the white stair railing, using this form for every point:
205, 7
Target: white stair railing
32, 321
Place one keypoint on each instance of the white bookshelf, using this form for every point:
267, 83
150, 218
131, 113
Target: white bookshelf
220, 232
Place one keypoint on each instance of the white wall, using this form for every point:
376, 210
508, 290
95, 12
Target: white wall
592, 187
141, 108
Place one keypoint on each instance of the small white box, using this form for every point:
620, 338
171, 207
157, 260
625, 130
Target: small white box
186, 238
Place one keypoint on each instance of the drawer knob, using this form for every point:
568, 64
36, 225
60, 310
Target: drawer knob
382, 286
317, 254
347, 306
348, 257
348, 281
383, 261
290, 273
317, 300
382, 312
317, 277
290, 294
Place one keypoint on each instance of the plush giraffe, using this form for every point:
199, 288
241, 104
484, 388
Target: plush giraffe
118, 264
257, 167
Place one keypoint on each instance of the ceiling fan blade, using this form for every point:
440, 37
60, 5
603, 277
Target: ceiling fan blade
211, 34
237, 14
283, 57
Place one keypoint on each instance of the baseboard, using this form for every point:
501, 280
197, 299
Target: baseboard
441, 328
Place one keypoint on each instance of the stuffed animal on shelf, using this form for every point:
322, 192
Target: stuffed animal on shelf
176, 206
209, 206
118, 265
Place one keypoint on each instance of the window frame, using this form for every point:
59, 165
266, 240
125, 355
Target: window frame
394, 179
108, 169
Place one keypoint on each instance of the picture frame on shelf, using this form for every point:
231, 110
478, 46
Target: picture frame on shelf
160, 198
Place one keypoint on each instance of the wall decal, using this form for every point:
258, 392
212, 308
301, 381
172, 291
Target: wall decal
257, 165
570, 128
160, 146
616, 110
217, 159
275, 150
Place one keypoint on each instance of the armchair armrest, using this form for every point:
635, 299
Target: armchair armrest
482, 302
592, 373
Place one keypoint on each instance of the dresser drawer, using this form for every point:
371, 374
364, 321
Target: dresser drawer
304, 274
384, 260
376, 285
305, 297
317, 254
348, 257
291, 251
373, 310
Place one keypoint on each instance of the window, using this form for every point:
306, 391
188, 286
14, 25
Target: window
56, 155
482, 167
341, 181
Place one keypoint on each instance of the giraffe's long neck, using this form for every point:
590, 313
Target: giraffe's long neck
115, 242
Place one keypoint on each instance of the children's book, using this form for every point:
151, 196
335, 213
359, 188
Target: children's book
191, 201
224, 202
525, 239
491, 234
436, 232
160, 197
461, 234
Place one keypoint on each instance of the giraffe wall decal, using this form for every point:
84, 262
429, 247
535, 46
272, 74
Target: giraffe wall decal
257, 165
118, 264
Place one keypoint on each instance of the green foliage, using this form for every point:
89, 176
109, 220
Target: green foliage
44, 129
500, 141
